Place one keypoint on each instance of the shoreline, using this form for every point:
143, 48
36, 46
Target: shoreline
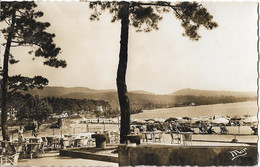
227, 109
202, 105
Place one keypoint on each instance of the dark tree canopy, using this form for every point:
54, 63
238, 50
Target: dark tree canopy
33, 108
30, 32
145, 16
23, 29
19, 83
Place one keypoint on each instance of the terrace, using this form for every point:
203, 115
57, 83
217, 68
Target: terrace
79, 140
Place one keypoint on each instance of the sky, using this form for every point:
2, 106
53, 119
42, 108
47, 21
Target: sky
160, 62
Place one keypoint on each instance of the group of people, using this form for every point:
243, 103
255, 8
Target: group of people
176, 127
208, 129
35, 131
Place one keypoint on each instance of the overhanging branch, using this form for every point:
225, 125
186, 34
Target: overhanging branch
23, 14
18, 45
8, 23
26, 44
162, 4
176, 11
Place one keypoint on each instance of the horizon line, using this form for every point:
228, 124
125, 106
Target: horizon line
114, 89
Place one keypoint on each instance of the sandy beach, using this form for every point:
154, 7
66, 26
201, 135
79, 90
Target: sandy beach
230, 109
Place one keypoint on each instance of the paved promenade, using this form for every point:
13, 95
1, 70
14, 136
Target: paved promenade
53, 159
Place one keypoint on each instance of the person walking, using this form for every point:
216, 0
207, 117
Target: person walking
35, 128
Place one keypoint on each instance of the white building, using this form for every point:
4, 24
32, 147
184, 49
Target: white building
100, 108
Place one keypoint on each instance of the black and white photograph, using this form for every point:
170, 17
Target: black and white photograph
129, 83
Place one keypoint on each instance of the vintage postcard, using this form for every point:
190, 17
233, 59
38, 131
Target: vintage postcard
126, 83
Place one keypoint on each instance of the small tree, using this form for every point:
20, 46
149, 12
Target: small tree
145, 17
23, 29
34, 108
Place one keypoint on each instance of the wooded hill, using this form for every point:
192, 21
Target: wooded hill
147, 100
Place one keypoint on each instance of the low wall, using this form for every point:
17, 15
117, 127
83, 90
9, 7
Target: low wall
187, 155
87, 155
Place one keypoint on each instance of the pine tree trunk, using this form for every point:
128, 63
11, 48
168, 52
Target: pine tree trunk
5, 80
121, 74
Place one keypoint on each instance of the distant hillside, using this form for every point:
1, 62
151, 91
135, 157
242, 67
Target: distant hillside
109, 96
196, 92
137, 98
141, 92
62, 91
147, 100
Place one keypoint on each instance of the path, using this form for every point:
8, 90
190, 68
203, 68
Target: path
53, 159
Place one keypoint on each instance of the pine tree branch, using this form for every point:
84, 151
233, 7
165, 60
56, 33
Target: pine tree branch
26, 44
8, 23
23, 14
154, 4
19, 42
176, 11
17, 45
162, 4
19, 37
18, 16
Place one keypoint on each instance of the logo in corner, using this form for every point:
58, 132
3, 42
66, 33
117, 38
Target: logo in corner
235, 153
